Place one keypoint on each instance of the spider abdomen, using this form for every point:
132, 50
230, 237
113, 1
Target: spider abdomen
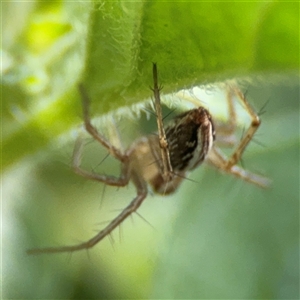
190, 138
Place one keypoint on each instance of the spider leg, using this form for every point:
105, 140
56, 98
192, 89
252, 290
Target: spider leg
226, 131
229, 165
255, 123
163, 143
141, 188
110, 180
217, 159
93, 131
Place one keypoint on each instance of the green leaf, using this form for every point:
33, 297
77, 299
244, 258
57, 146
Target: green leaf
111, 46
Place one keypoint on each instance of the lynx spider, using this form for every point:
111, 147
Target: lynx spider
163, 160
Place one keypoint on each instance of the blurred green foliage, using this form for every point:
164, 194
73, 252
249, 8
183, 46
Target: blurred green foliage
219, 238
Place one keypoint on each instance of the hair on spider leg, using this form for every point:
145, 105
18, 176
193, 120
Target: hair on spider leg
259, 143
242, 133
186, 178
153, 162
168, 114
112, 241
246, 91
132, 220
262, 109
253, 140
241, 162
102, 223
101, 161
155, 115
111, 238
120, 233
88, 254
145, 220
89, 141
102, 195
150, 111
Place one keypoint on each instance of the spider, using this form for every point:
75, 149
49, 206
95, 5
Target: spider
163, 160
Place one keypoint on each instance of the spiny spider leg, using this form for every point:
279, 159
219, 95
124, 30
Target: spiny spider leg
110, 180
132, 207
77, 153
231, 110
255, 123
93, 131
126, 175
218, 159
167, 167
226, 132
